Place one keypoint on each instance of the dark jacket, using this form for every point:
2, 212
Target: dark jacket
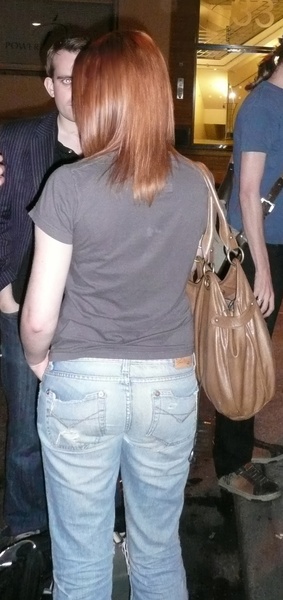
28, 154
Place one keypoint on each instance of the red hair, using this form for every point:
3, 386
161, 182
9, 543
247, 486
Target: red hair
122, 102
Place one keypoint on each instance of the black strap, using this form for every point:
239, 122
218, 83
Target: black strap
269, 202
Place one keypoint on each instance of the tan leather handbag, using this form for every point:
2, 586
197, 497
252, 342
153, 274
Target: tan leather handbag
234, 357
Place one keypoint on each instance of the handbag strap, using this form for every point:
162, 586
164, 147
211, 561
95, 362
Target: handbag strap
215, 210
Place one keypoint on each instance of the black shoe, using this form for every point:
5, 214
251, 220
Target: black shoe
26, 566
250, 483
7, 539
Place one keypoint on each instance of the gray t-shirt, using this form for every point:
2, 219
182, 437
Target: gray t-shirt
125, 292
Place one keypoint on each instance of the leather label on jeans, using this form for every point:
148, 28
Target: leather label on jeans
182, 363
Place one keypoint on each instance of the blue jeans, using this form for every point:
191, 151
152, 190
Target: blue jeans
24, 501
94, 417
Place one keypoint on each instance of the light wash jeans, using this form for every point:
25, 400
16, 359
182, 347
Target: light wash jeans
94, 416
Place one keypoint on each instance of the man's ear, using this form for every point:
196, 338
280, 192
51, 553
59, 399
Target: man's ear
48, 84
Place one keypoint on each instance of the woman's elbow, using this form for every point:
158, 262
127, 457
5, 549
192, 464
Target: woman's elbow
32, 321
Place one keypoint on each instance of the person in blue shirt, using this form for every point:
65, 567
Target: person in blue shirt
258, 163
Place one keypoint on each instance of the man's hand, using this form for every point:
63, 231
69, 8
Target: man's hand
263, 291
251, 174
2, 170
7, 303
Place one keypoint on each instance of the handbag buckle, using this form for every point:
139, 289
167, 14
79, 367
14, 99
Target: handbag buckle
236, 253
270, 206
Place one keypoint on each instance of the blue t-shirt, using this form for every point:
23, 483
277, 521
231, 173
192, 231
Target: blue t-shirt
259, 128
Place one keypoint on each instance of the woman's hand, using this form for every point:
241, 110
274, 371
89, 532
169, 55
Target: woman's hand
39, 369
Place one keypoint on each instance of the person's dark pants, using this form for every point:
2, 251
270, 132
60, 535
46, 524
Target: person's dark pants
24, 500
234, 440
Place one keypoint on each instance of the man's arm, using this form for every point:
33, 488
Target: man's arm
43, 298
7, 302
251, 172
2, 170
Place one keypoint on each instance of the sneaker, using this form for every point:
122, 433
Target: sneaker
264, 453
7, 539
250, 483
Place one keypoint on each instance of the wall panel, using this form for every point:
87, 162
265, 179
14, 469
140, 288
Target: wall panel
182, 62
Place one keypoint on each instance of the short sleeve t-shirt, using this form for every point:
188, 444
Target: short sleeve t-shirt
259, 128
125, 292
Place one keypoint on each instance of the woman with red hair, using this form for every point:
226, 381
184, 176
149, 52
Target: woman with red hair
108, 328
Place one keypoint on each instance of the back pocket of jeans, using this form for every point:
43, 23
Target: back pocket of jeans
75, 424
173, 417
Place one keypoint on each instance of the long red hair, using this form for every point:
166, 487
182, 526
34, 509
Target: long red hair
122, 103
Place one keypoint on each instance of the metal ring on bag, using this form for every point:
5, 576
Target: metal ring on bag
206, 281
206, 277
207, 268
236, 253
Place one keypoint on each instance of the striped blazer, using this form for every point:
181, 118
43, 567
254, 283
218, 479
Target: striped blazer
28, 153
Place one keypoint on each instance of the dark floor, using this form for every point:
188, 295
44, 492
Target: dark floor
209, 534
208, 525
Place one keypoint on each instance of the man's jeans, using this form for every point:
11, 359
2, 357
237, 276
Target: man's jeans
95, 415
24, 501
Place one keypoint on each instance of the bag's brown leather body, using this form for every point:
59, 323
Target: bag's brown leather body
234, 357
234, 360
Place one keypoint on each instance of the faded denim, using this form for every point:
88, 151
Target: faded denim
95, 416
